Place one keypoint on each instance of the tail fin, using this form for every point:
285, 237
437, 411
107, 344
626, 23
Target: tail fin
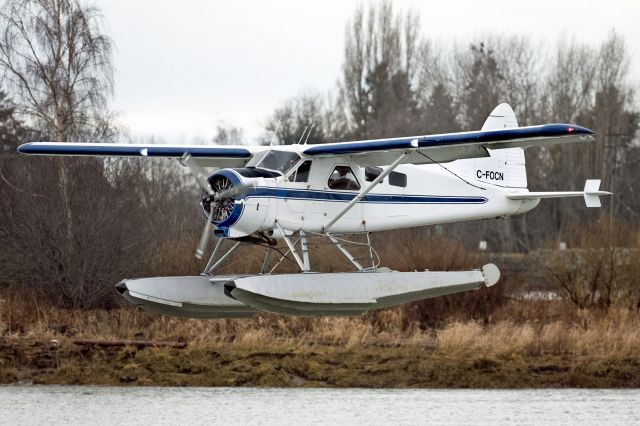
505, 167
502, 117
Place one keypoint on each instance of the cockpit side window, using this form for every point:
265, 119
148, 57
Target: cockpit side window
371, 173
343, 178
302, 173
279, 161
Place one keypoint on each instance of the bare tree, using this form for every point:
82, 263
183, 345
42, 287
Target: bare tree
67, 241
482, 83
613, 114
57, 62
380, 71
228, 134
56, 59
11, 129
437, 91
296, 118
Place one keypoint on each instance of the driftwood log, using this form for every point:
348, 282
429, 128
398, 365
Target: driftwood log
138, 343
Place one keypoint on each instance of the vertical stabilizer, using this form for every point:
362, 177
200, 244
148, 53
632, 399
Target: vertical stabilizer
505, 167
502, 117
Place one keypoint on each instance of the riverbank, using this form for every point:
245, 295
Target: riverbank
575, 349
314, 366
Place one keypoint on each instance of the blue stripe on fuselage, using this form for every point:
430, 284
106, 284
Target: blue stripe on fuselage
332, 196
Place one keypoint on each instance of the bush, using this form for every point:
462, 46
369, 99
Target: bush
600, 266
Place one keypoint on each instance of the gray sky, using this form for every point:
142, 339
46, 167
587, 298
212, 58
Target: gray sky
182, 66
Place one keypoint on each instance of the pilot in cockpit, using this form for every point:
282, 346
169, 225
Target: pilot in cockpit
342, 178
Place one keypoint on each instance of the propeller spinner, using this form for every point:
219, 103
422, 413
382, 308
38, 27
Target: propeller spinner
218, 200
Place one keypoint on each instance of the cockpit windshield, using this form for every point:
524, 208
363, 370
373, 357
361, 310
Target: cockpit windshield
279, 161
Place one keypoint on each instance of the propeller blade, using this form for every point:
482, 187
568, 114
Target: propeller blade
204, 238
234, 190
197, 172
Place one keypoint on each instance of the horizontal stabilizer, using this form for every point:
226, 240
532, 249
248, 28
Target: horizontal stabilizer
591, 194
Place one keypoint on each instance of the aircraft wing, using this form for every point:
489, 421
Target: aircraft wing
214, 156
451, 146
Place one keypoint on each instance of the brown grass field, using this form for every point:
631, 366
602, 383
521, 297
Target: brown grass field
521, 344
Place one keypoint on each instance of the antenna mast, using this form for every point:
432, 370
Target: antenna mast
302, 135
273, 135
313, 122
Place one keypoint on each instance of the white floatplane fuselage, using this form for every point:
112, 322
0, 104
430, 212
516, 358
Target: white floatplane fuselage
412, 195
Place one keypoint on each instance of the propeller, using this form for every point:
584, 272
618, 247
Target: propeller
197, 172
231, 192
204, 237
219, 198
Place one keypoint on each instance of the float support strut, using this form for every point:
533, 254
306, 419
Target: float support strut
292, 249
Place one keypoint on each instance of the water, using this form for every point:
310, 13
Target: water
67, 405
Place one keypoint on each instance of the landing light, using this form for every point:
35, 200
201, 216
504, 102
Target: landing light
570, 130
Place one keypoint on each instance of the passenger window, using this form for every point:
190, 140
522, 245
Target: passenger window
397, 179
371, 173
343, 178
302, 173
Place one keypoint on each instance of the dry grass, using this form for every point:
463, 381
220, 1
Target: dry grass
523, 344
615, 335
264, 330
528, 328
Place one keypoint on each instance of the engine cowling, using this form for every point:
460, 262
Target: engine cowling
241, 214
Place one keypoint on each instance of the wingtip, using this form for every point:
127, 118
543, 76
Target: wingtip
24, 148
582, 130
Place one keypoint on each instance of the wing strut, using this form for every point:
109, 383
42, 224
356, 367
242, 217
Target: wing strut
368, 188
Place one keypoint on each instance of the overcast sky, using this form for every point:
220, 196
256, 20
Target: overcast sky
183, 66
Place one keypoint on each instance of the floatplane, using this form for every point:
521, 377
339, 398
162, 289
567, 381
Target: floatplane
281, 196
